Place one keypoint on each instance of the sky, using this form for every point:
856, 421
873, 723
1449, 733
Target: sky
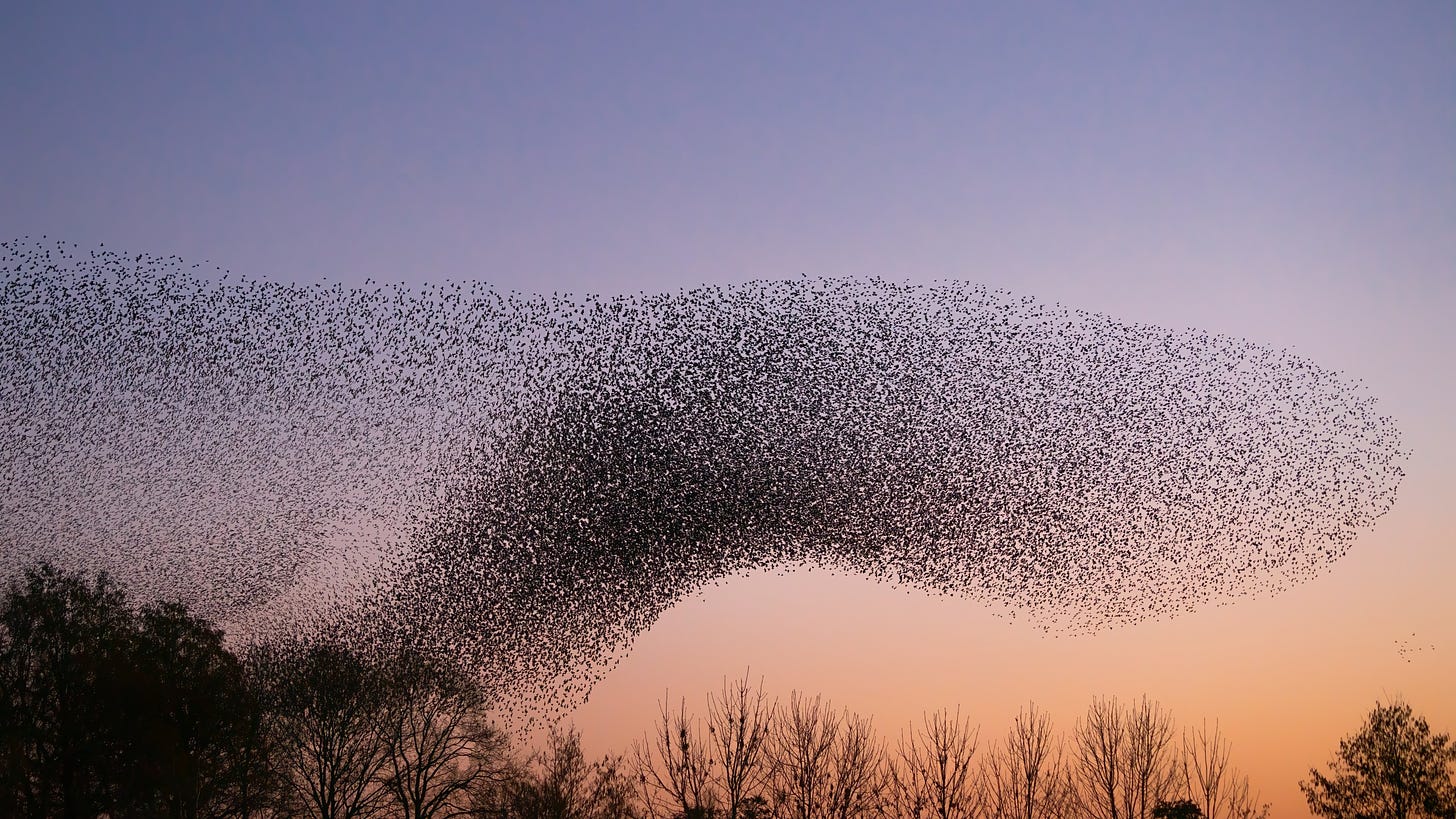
1281, 172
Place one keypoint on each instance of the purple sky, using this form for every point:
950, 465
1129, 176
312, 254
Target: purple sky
635, 146
1284, 172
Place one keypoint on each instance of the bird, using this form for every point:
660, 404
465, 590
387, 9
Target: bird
524, 483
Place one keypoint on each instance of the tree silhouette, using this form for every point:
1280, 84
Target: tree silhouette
934, 776
327, 706
1393, 768
1100, 744
107, 710
1125, 759
561, 784
190, 724
1024, 777
740, 718
674, 767
1150, 766
857, 776
1218, 789
825, 765
438, 745
63, 642
561, 787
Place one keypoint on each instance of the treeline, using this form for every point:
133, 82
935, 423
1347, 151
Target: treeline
126, 712
110, 710
750, 757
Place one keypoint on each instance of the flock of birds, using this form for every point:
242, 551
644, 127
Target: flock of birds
1409, 649
526, 482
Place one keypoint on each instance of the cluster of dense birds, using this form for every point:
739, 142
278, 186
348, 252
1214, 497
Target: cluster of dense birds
527, 482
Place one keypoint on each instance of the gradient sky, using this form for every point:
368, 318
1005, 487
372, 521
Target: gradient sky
1283, 172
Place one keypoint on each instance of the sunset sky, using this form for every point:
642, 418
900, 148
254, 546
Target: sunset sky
1282, 172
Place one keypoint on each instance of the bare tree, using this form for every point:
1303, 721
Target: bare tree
739, 720
1100, 744
1208, 781
1150, 764
934, 775
1244, 803
1126, 760
825, 765
437, 740
493, 795
330, 743
611, 794
802, 751
1024, 777
856, 771
674, 766
561, 784
261, 787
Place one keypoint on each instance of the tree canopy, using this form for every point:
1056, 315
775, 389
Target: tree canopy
71, 651
1393, 768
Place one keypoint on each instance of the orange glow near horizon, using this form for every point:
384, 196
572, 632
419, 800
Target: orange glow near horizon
1285, 677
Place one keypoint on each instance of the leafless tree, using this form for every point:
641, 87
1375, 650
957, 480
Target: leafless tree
1211, 782
494, 794
329, 740
1244, 803
438, 742
673, 767
612, 796
934, 776
857, 770
802, 751
825, 765
1126, 760
1204, 769
1100, 743
1025, 777
739, 720
1150, 764
561, 784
